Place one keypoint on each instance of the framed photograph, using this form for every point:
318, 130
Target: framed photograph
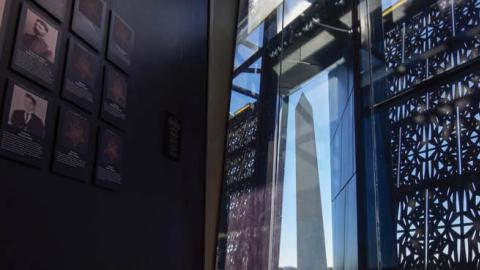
4, 12
115, 97
37, 47
57, 8
120, 42
82, 70
26, 120
89, 18
109, 159
73, 147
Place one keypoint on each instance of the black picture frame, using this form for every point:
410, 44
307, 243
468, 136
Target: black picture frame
4, 15
115, 97
109, 159
74, 145
81, 83
26, 138
120, 41
32, 56
89, 21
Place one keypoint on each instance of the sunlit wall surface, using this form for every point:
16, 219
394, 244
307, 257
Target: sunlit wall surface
421, 132
289, 189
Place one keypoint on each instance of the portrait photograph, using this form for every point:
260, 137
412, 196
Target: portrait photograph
39, 36
3, 4
83, 64
37, 47
92, 10
89, 18
75, 132
28, 112
117, 89
57, 8
26, 124
81, 76
120, 42
109, 159
115, 97
111, 148
73, 145
4, 7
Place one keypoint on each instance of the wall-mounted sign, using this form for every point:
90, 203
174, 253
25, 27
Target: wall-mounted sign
172, 137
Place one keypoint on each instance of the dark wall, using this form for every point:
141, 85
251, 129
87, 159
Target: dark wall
155, 221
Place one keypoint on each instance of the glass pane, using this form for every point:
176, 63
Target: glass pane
307, 205
289, 184
316, 158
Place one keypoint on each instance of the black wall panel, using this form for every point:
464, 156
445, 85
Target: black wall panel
155, 220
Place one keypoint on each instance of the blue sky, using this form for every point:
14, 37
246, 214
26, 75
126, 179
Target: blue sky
388, 3
316, 91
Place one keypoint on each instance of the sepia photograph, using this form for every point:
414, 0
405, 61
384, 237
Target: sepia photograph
89, 18
57, 8
75, 132
28, 112
39, 36
4, 8
37, 45
2, 11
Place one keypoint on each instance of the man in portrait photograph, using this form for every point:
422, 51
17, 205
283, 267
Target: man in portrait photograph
92, 9
26, 118
36, 42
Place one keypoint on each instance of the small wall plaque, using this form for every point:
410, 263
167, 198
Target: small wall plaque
172, 137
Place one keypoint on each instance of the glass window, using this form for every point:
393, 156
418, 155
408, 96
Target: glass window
289, 184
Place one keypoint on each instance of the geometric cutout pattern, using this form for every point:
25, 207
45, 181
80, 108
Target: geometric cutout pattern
241, 217
435, 161
439, 38
439, 228
241, 147
411, 240
243, 134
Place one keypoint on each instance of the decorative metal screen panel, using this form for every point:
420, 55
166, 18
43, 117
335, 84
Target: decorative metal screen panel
243, 200
439, 38
435, 150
